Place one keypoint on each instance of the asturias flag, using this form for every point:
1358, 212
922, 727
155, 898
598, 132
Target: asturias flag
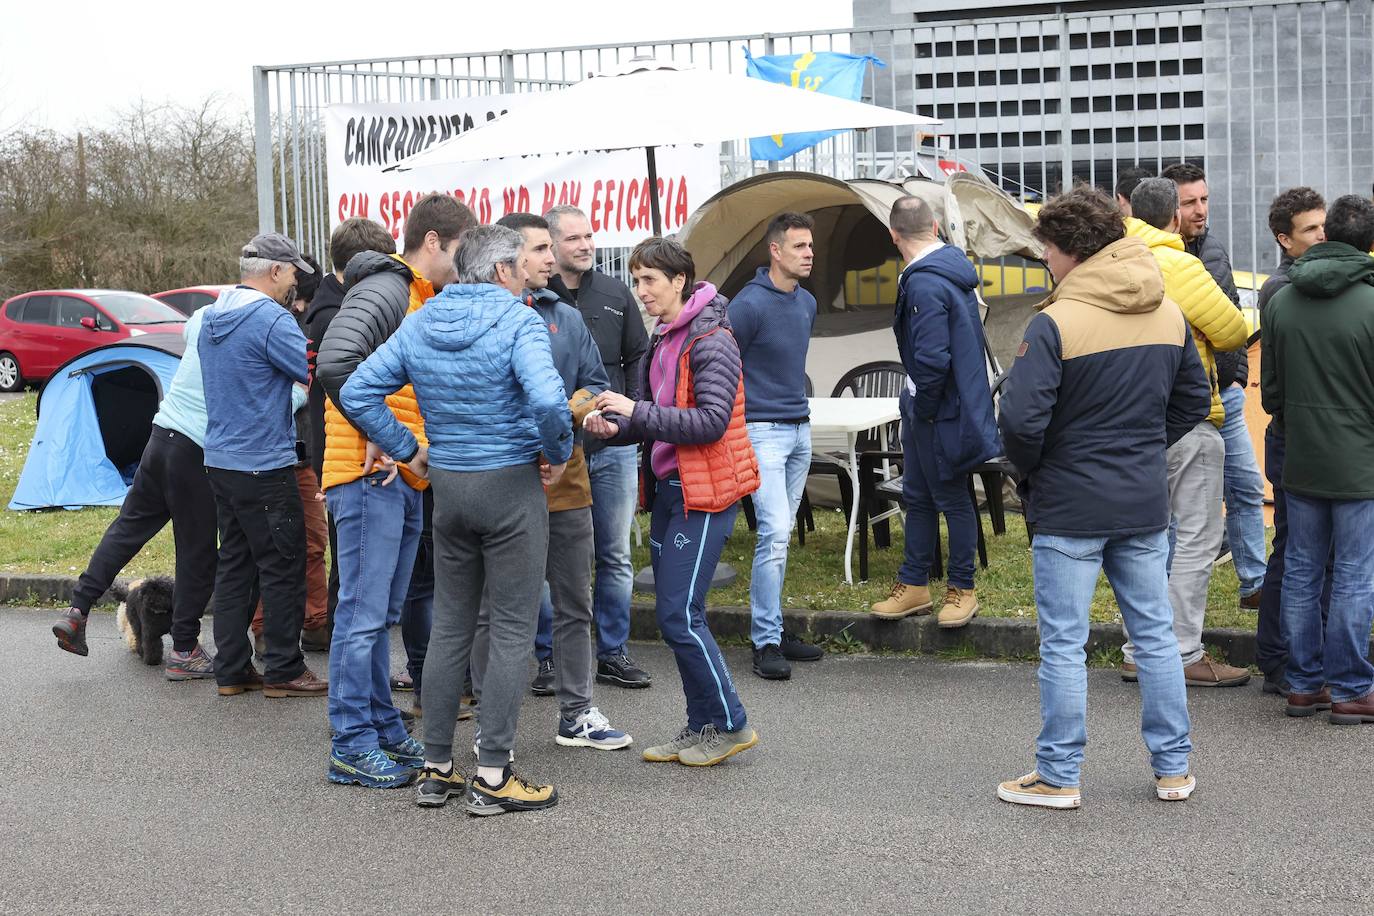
814, 71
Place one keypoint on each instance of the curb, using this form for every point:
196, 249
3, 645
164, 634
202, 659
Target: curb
987, 637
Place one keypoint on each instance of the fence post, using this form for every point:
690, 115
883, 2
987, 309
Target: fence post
262, 137
508, 71
1065, 108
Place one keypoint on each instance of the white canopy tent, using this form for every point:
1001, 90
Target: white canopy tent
653, 103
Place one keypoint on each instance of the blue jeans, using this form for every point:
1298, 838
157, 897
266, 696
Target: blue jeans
1244, 494
614, 473
543, 634
684, 550
1066, 571
1339, 658
784, 455
378, 532
925, 496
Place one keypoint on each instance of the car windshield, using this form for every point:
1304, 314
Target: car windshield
135, 308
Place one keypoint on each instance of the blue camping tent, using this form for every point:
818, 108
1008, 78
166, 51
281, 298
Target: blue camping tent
95, 414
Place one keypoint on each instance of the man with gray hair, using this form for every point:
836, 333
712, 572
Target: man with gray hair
612, 315
252, 351
1195, 461
498, 425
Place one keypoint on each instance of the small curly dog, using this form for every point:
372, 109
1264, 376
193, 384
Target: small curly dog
145, 616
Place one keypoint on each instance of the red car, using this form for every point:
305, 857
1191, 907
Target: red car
41, 330
192, 299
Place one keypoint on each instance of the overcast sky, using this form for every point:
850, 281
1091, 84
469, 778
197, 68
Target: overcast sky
71, 64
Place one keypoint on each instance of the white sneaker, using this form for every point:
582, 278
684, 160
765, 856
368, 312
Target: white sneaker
591, 729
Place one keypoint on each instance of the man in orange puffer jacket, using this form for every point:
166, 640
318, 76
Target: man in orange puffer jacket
377, 518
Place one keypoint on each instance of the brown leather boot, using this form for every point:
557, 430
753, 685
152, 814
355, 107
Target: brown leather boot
1207, 672
961, 606
305, 685
903, 601
1353, 712
1307, 704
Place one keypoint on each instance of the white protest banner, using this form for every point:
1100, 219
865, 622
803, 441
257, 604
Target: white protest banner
610, 187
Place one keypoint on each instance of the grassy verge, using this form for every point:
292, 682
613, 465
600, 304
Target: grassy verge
59, 541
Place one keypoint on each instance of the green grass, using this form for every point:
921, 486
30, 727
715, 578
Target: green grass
61, 542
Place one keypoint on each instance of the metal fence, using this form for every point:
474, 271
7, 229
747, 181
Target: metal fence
1264, 94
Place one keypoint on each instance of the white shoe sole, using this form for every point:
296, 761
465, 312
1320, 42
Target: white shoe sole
1042, 801
1179, 794
596, 745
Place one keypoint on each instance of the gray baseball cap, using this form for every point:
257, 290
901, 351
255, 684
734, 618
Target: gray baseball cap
276, 247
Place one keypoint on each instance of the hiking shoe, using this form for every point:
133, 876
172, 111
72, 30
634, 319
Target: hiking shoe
401, 683
465, 711
621, 671
961, 606
409, 753
1032, 790
715, 746
189, 666
371, 769
1207, 672
513, 794
316, 640
259, 648
1275, 685
1251, 602
903, 601
306, 684
1174, 788
542, 685
1302, 705
70, 631
248, 680
408, 719
669, 751
795, 650
591, 729
770, 665
433, 788
1129, 673
1353, 712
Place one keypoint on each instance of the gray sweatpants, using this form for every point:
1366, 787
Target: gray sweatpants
491, 534
568, 571
1195, 487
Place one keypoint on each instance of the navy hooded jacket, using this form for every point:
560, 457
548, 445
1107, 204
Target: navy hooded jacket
940, 339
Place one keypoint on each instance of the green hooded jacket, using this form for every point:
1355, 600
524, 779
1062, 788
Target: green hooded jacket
1317, 372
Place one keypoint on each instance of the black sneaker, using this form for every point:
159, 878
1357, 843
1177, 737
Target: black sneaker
793, 649
621, 671
70, 631
770, 665
542, 685
433, 788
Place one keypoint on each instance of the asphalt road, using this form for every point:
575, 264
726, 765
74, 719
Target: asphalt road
871, 791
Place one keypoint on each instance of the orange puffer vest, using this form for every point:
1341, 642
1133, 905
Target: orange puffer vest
718, 474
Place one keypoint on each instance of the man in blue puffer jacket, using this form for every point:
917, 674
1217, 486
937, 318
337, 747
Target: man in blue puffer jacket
948, 426
483, 374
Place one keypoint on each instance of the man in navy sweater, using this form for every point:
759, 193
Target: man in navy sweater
778, 418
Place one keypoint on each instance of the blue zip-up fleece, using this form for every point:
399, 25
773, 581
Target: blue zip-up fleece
940, 339
575, 354
482, 368
251, 351
1105, 380
773, 330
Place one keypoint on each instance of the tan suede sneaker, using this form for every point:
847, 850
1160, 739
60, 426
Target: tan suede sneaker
1175, 788
903, 601
961, 606
1032, 790
1207, 672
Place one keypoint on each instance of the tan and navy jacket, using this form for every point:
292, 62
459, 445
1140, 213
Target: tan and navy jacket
1106, 379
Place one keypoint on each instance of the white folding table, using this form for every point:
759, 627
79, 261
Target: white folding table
833, 418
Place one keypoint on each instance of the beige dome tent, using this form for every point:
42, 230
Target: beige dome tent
856, 265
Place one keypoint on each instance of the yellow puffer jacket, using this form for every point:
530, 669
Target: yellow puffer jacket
345, 448
1216, 323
